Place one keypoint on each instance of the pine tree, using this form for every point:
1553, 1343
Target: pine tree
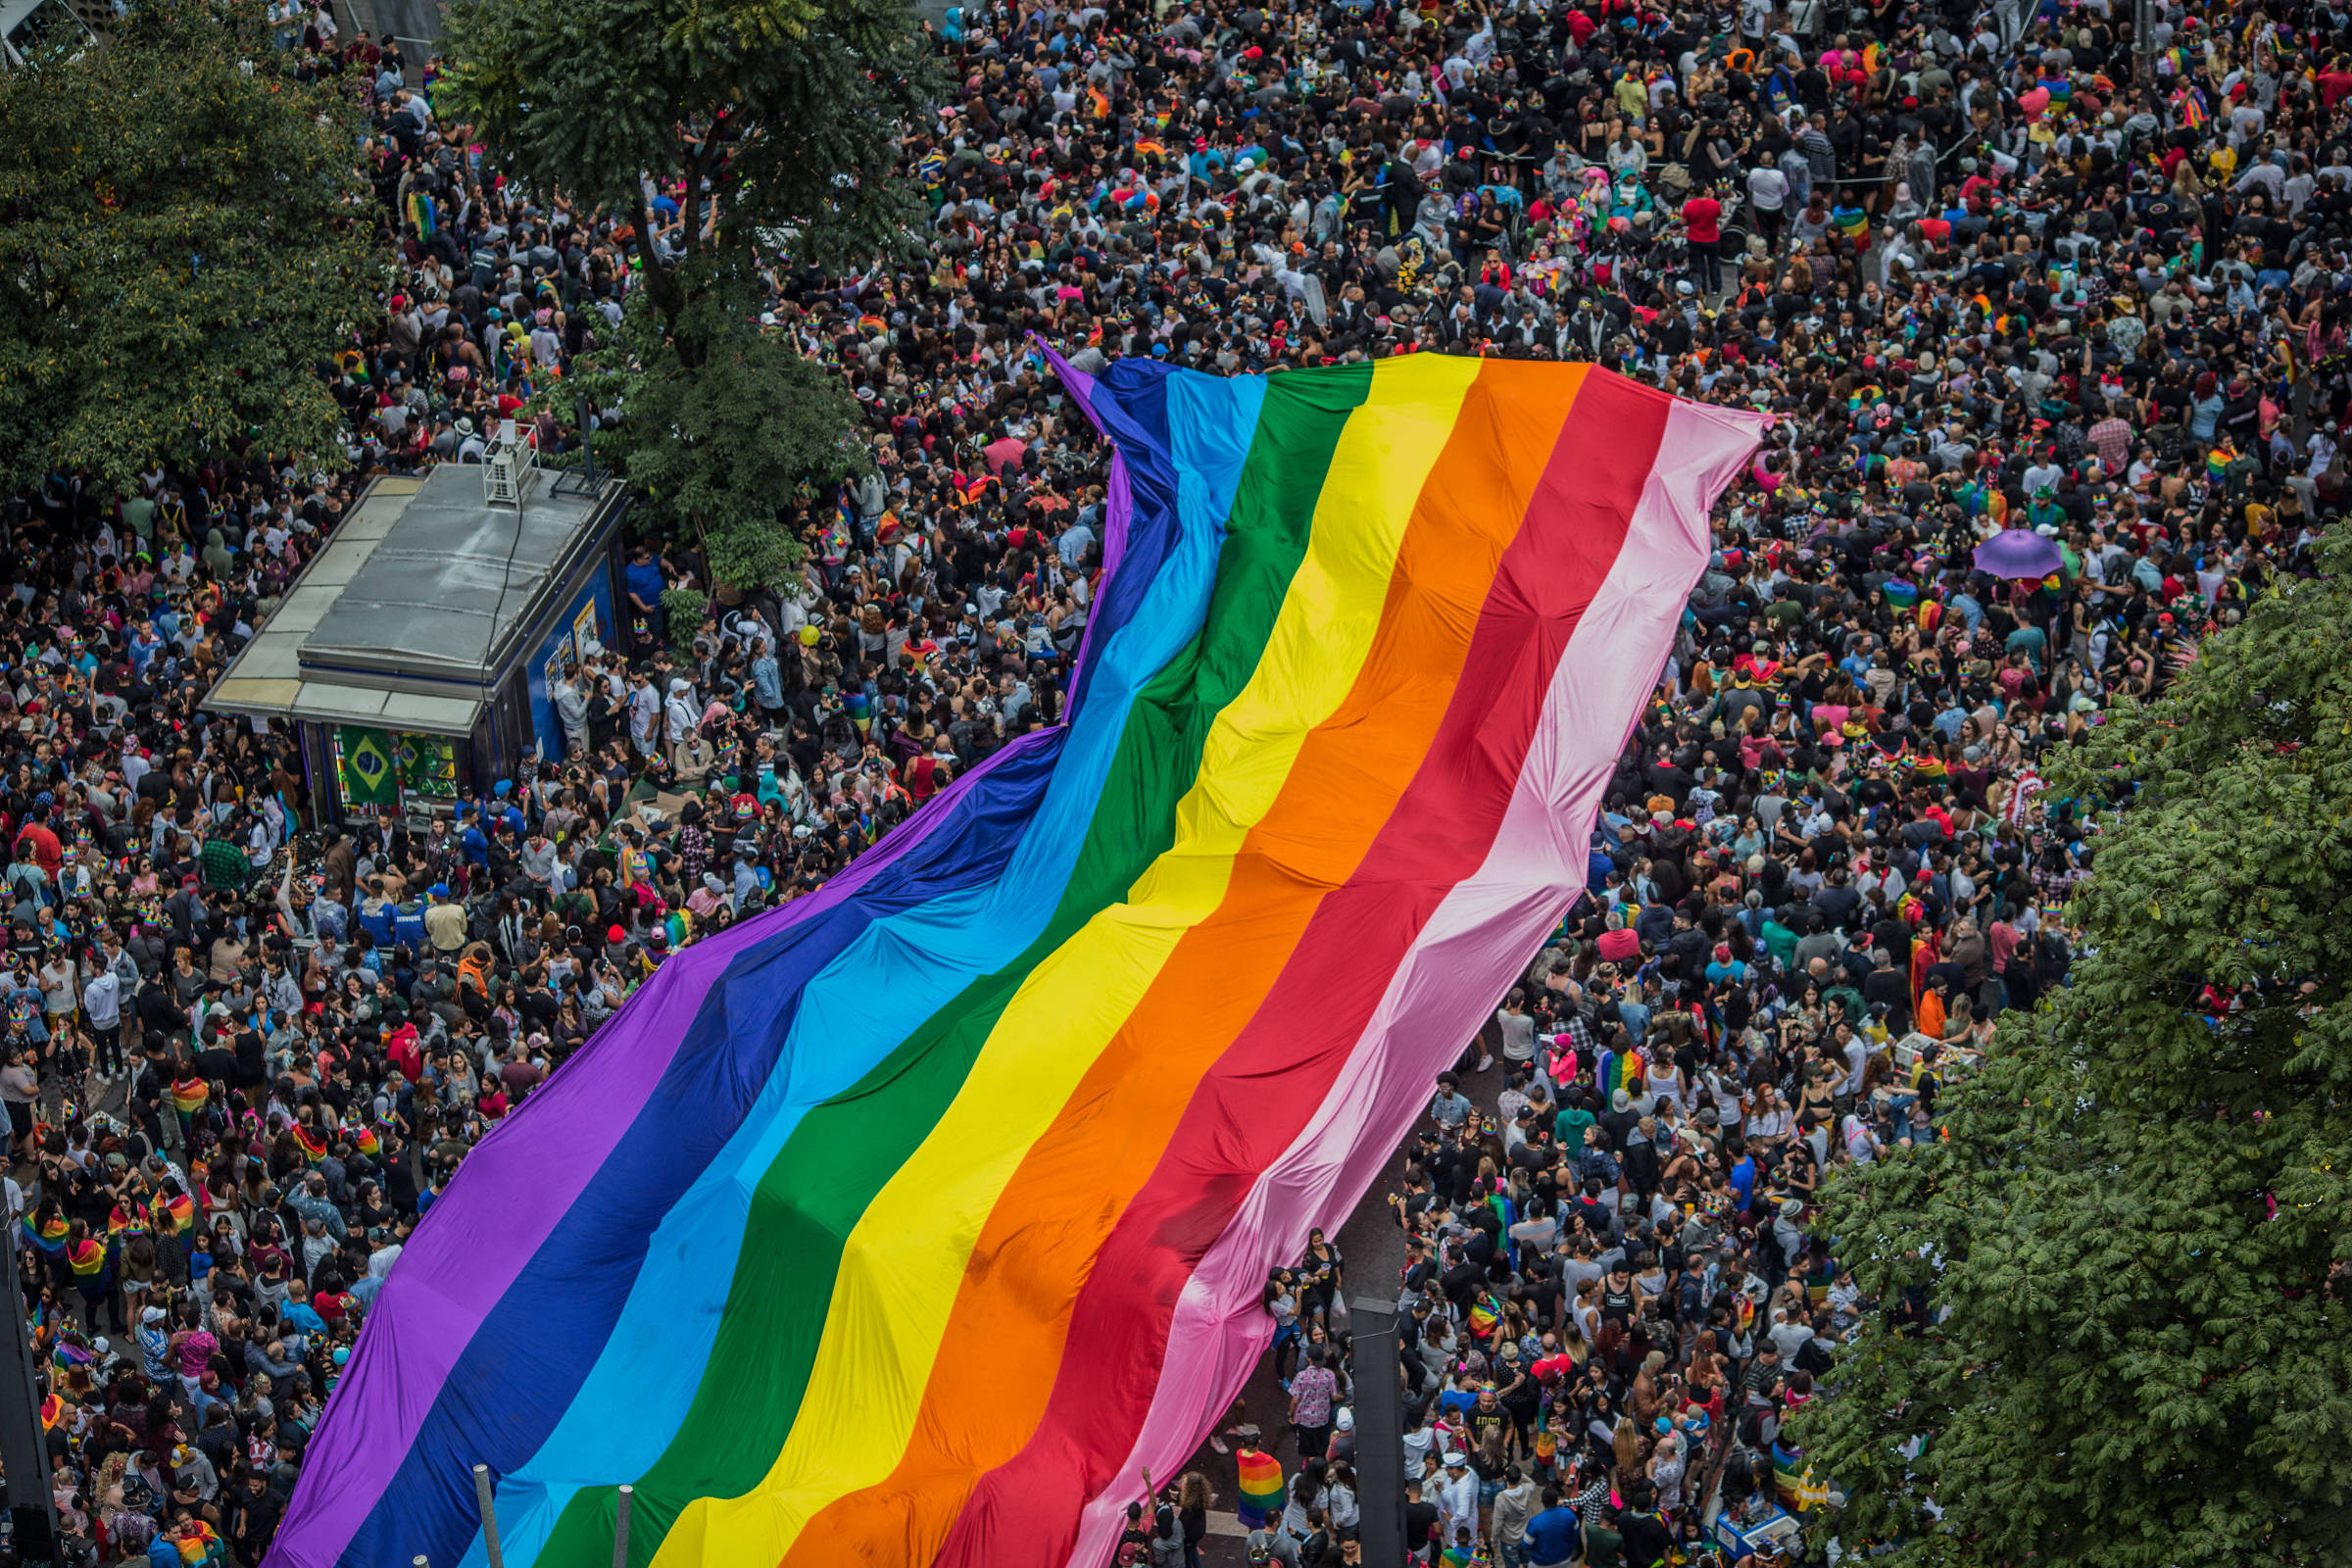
2131, 1248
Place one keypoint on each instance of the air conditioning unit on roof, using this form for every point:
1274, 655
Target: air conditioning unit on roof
507, 465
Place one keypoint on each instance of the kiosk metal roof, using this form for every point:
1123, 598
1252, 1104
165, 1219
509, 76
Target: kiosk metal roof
409, 615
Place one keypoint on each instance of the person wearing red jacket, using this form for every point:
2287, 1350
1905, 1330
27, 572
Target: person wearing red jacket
1703, 225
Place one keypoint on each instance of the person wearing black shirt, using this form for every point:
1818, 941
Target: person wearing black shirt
1648, 1536
1420, 1523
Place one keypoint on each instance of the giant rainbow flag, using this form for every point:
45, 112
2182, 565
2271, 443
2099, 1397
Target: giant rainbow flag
908, 1223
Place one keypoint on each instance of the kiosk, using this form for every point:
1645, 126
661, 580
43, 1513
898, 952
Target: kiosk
413, 656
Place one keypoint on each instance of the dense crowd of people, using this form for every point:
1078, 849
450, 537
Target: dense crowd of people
1994, 270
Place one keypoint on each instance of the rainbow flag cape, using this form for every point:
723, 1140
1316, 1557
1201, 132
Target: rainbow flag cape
88, 1257
48, 1239
363, 1138
1788, 1472
175, 1214
1793, 1479
1260, 1488
908, 1222
196, 1541
1616, 1070
311, 1144
188, 1096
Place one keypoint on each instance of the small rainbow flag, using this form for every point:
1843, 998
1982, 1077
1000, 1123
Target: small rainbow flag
1140, 1002
1260, 1488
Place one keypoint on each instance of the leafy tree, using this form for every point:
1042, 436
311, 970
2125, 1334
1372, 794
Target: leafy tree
719, 448
2135, 1238
183, 242
774, 117
774, 121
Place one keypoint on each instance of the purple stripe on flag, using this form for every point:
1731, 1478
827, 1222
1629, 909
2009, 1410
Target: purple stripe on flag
518, 1183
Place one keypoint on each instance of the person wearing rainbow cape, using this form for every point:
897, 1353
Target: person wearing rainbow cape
92, 1261
1260, 1501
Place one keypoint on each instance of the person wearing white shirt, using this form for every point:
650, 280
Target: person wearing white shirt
1767, 196
1457, 1495
1789, 1337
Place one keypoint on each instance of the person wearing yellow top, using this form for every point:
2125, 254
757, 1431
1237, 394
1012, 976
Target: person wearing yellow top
445, 921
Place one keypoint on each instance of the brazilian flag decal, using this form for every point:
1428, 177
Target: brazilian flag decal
368, 775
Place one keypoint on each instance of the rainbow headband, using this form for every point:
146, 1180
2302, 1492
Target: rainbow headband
908, 1222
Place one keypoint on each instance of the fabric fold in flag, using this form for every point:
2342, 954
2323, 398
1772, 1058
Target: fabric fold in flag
926, 1213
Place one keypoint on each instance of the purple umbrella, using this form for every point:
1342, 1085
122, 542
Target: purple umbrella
2018, 553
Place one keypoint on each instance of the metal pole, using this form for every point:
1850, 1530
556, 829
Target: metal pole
1379, 1402
481, 1492
23, 1445
587, 447
621, 1527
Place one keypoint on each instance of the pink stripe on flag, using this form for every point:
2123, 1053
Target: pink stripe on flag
1482, 936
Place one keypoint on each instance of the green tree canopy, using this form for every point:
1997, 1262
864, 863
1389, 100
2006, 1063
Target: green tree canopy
772, 125
2136, 1239
185, 241
717, 449
777, 117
